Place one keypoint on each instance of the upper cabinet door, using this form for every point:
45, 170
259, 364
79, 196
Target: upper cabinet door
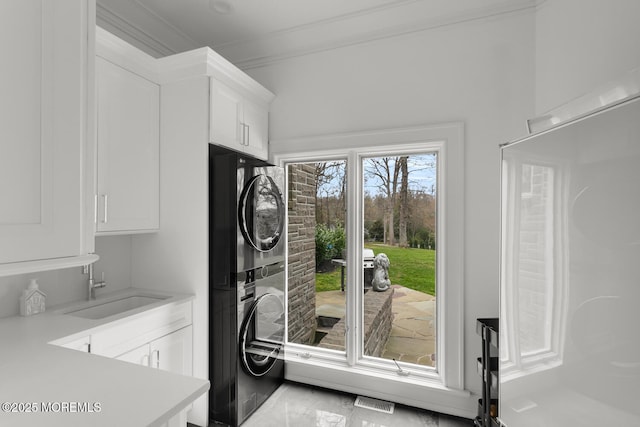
128, 150
256, 121
42, 128
237, 122
226, 126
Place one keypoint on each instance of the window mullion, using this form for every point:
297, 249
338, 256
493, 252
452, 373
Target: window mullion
354, 256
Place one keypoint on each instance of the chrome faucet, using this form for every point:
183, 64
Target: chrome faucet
92, 284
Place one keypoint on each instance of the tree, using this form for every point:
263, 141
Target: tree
330, 185
384, 171
404, 208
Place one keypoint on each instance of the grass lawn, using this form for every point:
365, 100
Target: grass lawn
412, 268
328, 281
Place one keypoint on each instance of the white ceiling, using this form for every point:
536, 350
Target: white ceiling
259, 31
252, 19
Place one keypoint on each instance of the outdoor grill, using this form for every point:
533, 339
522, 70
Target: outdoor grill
367, 265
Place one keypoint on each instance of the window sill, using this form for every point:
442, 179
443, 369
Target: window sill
334, 373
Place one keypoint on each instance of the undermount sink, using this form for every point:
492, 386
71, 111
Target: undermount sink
110, 308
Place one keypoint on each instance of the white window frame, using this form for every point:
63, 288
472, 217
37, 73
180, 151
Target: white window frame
440, 389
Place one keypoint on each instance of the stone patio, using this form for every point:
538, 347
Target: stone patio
412, 337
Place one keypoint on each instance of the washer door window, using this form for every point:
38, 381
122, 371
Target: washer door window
261, 213
262, 334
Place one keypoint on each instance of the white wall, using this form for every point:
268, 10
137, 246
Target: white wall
62, 286
581, 45
176, 258
481, 73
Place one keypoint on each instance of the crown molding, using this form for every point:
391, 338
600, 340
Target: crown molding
118, 51
335, 34
206, 62
161, 22
131, 33
159, 39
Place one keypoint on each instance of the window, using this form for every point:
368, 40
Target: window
399, 206
429, 174
316, 213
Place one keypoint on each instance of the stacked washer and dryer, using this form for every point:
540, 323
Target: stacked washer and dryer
247, 280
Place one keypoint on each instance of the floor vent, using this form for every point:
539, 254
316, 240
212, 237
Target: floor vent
374, 404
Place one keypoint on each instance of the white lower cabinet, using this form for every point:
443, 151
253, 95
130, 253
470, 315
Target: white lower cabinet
170, 353
139, 356
173, 352
160, 339
82, 344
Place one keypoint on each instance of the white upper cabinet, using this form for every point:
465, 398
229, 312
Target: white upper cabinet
256, 120
44, 125
128, 183
226, 116
237, 122
238, 106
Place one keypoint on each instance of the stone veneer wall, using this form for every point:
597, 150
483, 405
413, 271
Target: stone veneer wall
378, 319
302, 253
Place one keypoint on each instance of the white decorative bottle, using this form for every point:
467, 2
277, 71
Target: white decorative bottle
32, 300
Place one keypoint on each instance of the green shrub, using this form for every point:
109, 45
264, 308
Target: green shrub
330, 242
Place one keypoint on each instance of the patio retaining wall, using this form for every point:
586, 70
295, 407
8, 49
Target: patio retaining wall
378, 319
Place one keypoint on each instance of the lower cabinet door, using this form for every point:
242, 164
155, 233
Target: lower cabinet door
81, 344
178, 420
173, 352
139, 356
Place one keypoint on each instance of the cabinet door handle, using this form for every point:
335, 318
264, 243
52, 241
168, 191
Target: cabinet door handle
244, 134
248, 135
157, 358
105, 198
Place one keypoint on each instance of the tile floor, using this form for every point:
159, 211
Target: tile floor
296, 405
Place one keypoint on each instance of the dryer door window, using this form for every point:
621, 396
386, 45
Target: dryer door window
261, 213
262, 334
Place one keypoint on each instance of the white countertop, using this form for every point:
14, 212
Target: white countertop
37, 374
